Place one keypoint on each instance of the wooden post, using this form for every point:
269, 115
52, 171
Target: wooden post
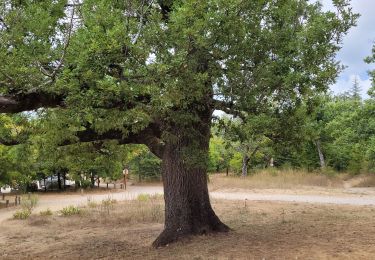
16, 200
107, 185
125, 181
7, 203
114, 185
125, 172
19, 200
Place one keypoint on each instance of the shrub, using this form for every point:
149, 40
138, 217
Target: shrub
92, 204
70, 210
108, 201
46, 212
29, 202
143, 197
22, 214
107, 204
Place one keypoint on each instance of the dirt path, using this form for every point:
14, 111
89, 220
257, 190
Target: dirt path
354, 200
56, 202
353, 197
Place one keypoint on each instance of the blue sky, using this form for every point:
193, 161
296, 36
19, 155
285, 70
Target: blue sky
356, 46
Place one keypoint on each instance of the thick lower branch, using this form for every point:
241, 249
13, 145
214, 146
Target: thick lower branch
9, 142
150, 136
29, 101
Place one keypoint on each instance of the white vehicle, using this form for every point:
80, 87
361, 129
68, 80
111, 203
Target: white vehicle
6, 189
48, 182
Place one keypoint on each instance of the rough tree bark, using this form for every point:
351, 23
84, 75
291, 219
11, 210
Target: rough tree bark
188, 209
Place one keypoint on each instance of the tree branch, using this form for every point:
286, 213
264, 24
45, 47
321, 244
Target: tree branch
29, 101
9, 142
150, 136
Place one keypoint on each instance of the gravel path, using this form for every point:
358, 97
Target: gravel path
56, 202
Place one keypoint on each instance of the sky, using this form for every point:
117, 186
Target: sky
357, 45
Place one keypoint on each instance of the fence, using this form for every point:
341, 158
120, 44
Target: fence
9, 200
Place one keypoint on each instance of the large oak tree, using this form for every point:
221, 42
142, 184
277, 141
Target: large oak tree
152, 72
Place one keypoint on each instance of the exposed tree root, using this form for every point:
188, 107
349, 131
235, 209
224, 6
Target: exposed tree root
170, 235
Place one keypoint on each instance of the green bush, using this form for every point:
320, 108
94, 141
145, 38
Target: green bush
143, 197
46, 212
29, 202
70, 211
22, 214
108, 201
92, 204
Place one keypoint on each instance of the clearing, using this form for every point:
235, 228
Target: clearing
273, 217
261, 230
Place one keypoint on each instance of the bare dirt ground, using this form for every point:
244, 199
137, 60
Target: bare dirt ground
308, 194
315, 218
261, 230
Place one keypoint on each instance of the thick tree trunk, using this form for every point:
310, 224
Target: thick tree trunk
92, 180
245, 162
321, 155
64, 180
59, 179
187, 204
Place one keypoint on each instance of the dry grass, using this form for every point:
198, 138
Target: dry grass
144, 209
261, 230
366, 181
276, 179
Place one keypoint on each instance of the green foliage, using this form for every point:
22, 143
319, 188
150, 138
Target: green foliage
220, 154
109, 201
70, 211
123, 66
28, 203
143, 197
22, 214
27, 206
144, 164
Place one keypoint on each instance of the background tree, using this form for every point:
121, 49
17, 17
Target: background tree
144, 164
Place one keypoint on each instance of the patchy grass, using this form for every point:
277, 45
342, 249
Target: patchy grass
276, 179
46, 213
146, 210
261, 230
22, 214
28, 204
70, 211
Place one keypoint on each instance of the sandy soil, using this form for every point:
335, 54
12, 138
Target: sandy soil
261, 230
349, 196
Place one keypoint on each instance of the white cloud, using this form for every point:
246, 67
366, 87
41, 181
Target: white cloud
357, 45
343, 85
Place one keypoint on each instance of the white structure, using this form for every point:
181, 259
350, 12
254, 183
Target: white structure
6, 189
